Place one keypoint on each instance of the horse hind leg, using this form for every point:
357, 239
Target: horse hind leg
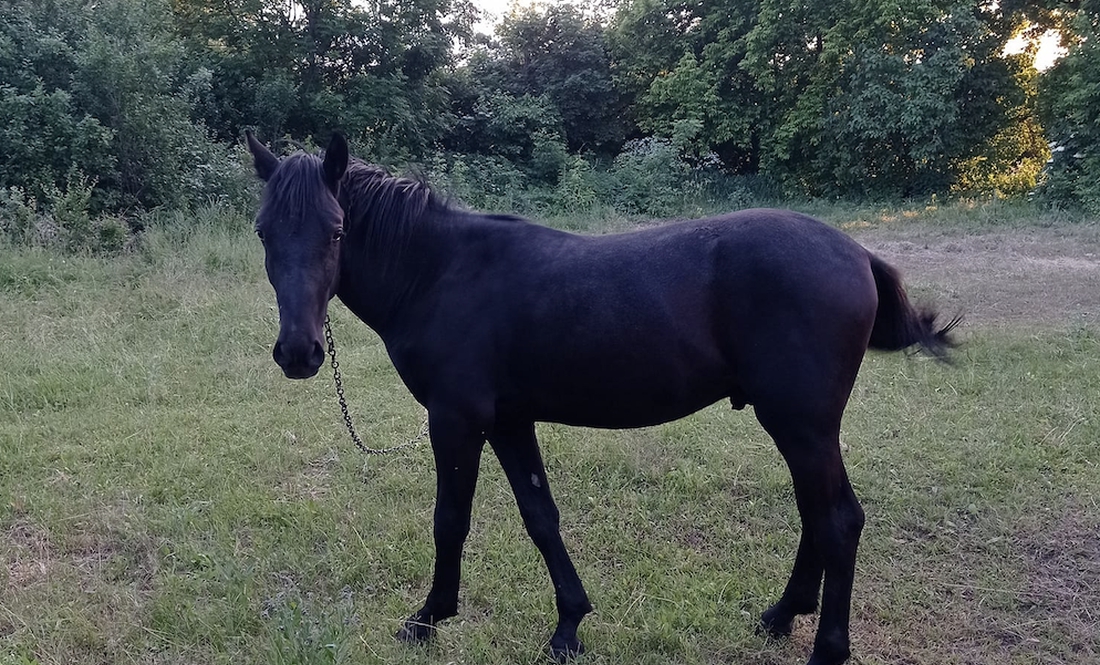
832, 521
801, 593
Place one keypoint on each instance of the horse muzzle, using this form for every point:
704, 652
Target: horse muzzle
299, 360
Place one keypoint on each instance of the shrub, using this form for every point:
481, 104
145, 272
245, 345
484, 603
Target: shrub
62, 219
577, 192
483, 182
18, 216
46, 139
650, 177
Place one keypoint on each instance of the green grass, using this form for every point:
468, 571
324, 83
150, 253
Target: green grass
166, 496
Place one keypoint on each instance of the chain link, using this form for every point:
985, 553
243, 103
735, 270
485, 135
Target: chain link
344, 405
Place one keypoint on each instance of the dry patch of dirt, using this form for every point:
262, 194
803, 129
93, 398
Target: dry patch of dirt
1034, 277
108, 569
28, 556
1062, 593
1027, 595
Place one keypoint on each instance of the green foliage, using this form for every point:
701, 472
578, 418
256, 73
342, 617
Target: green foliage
103, 90
509, 126
145, 102
46, 141
18, 216
1070, 108
484, 182
683, 67
543, 89
46, 136
61, 219
685, 106
125, 77
856, 98
651, 177
1009, 164
559, 53
306, 68
578, 191
890, 99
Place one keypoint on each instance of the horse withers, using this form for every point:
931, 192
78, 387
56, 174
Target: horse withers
495, 323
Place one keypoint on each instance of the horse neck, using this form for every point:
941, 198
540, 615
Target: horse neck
383, 271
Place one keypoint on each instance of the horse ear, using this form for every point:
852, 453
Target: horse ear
336, 160
262, 159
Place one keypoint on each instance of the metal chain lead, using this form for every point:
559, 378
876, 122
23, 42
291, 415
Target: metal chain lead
344, 405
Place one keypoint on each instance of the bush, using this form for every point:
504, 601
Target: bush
1070, 105
482, 182
61, 220
578, 191
46, 139
548, 158
650, 177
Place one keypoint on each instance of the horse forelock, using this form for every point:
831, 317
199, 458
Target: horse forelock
298, 187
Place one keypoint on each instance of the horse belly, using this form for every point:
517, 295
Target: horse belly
621, 393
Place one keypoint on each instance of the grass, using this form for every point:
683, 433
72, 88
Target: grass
167, 497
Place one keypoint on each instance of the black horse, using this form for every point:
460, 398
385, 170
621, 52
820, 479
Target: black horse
495, 323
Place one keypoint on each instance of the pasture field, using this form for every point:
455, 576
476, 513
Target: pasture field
166, 496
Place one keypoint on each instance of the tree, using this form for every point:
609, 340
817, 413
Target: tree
681, 65
47, 143
306, 68
882, 98
841, 98
127, 75
46, 138
94, 91
559, 53
1071, 106
541, 88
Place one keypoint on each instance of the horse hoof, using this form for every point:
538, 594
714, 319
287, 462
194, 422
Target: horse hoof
829, 651
774, 625
415, 631
816, 659
562, 651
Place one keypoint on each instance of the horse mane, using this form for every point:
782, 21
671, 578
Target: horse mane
384, 210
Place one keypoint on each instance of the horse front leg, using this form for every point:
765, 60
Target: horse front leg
456, 446
518, 451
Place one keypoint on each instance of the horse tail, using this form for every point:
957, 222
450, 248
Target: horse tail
898, 324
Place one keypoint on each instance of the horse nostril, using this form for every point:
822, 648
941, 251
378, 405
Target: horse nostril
299, 361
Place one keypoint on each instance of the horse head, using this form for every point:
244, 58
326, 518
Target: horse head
301, 225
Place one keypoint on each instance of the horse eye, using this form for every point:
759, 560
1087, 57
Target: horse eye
338, 235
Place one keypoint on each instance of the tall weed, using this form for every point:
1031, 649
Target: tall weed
61, 220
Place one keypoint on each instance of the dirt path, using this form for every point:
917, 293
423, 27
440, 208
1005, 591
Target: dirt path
1040, 277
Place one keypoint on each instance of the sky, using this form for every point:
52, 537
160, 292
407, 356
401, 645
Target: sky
1049, 50
497, 8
